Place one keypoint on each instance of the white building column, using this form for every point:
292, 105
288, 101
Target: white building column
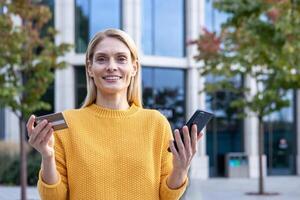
298, 131
12, 130
195, 18
132, 19
251, 135
64, 79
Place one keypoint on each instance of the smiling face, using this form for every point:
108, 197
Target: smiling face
111, 66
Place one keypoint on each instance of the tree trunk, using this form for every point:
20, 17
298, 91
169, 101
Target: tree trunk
260, 157
23, 166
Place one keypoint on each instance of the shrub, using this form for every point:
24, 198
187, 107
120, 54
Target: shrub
8, 153
10, 169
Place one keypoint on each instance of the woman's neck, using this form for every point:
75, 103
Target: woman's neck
115, 102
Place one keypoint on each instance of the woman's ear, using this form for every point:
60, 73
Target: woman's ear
89, 68
134, 71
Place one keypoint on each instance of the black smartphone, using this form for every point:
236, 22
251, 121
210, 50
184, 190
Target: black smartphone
200, 118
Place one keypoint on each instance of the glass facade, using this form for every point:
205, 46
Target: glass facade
92, 16
163, 27
225, 133
165, 94
80, 86
280, 139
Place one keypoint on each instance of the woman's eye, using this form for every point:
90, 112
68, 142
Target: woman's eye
122, 59
100, 59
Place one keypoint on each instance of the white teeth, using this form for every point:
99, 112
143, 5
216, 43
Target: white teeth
112, 78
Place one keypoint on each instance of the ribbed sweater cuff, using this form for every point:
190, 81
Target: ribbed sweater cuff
51, 192
43, 184
172, 194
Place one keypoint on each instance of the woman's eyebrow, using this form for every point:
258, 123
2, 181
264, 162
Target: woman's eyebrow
100, 54
121, 53
105, 54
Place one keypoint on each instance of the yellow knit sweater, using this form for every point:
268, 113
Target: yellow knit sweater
112, 154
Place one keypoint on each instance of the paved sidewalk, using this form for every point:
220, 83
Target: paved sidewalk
212, 189
13, 193
236, 189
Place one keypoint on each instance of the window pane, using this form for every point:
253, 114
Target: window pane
165, 94
50, 4
213, 18
280, 134
147, 84
80, 86
93, 16
147, 23
224, 133
163, 31
49, 98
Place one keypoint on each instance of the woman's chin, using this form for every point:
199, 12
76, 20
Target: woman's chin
111, 90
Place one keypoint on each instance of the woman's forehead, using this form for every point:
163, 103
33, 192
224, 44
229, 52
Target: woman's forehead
111, 45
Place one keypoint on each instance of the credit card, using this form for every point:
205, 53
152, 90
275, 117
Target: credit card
57, 120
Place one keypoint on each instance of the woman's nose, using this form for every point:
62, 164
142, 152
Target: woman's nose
111, 66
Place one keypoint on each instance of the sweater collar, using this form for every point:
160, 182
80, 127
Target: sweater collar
111, 113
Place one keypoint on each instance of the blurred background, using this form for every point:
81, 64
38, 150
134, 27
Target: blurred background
171, 83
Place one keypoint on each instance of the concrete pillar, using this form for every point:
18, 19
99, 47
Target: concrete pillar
64, 89
298, 131
132, 19
64, 79
251, 135
194, 19
131, 23
11, 127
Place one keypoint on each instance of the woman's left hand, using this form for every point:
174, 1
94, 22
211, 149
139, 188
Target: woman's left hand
183, 156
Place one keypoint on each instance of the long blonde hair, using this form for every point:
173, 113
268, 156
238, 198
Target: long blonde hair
134, 88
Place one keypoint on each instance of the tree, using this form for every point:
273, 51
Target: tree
27, 62
259, 41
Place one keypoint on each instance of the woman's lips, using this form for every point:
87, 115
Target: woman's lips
112, 78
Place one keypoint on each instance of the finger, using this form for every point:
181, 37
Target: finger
30, 124
186, 136
36, 131
47, 137
199, 136
179, 142
42, 134
187, 141
41, 125
173, 149
194, 138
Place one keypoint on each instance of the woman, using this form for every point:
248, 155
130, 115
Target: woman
112, 148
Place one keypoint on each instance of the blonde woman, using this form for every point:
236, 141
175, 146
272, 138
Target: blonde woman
112, 148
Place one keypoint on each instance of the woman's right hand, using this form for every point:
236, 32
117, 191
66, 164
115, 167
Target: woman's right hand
41, 137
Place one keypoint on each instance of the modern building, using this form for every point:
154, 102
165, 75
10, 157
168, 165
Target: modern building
170, 80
